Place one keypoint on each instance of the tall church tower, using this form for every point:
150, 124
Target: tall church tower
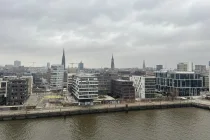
112, 63
144, 65
64, 60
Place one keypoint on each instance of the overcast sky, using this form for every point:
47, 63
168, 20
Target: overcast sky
159, 31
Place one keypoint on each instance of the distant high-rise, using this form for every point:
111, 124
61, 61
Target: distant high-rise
17, 63
81, 66
159, 67
200, 68
63, 60
144, 65
112, 63
48, 65
185, 66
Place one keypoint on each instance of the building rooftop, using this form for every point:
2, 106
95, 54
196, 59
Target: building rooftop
146, 76
121, 80
173, 71
183, 72
85, 75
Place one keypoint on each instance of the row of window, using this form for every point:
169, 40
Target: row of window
90, 96
16, 98
178, 76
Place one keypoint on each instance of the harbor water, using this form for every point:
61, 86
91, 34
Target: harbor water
167, 124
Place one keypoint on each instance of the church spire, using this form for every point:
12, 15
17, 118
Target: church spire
64, 59
144, 65
112, 63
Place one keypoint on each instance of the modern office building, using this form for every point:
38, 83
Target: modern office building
17, 91
17, 63
56, 77
122, 89
159, 67
145, 86
185, 66
178, 83
200, 68
104, 82
85, 88
81, 66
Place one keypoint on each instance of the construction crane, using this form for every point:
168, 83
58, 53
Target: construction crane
72, 64
32, 63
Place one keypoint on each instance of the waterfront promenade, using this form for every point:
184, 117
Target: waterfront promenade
105, 108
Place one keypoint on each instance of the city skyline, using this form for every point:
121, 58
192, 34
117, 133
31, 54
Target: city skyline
67, 64
132, 30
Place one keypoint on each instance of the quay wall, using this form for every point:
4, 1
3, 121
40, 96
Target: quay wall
85, 110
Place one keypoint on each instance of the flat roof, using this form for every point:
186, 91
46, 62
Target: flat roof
85, 75
122, 80
146, 76
173, 71
184, 72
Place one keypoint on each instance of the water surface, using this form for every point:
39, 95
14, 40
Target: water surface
169, 124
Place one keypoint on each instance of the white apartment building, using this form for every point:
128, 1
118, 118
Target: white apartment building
56, 77
85, 88
185, 66
144, 86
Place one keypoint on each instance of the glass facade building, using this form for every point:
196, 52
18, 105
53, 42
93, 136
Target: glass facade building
179, 83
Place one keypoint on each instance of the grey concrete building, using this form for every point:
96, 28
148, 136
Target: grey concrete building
17, 91
200, 68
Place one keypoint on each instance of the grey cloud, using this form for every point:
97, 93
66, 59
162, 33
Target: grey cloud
147, 4
92, 30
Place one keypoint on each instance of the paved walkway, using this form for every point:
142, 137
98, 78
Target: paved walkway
77, 108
